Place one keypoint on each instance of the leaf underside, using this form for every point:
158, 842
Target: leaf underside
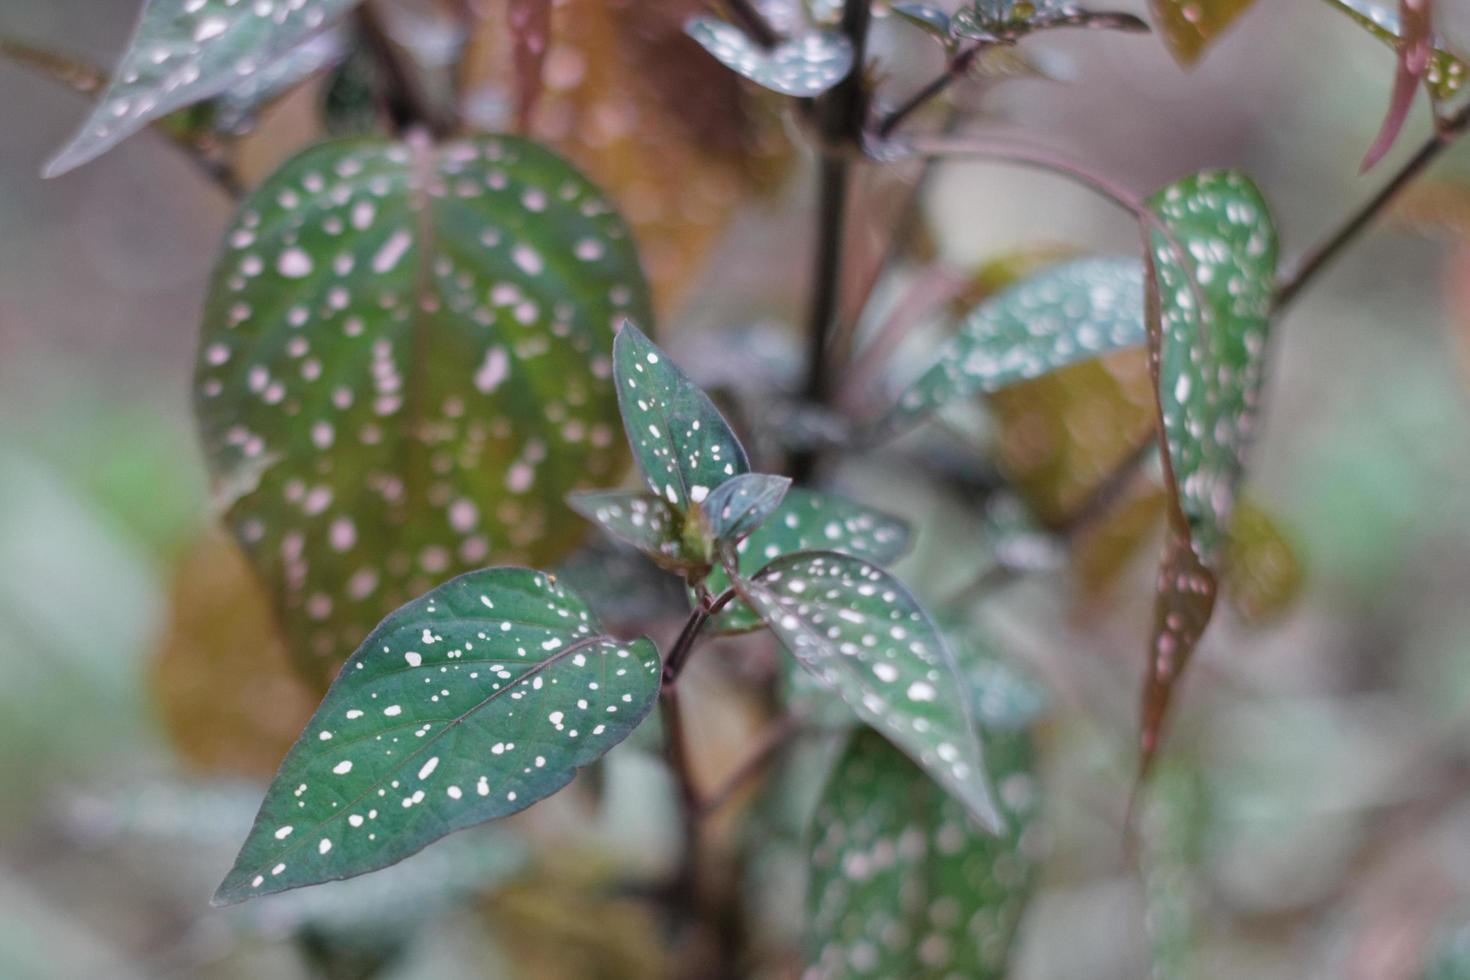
804, 66
470, 703
859, 631
404, 370
186, 51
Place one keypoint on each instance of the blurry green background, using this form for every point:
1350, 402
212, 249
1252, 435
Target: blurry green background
1313, 813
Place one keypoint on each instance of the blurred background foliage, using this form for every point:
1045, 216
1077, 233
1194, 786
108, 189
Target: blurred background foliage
1312, 813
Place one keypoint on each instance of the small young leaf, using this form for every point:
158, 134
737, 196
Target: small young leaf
643, 520
186, 51
857, 629
1446, 71
741, 503
1214, 320
1071, 312
1184, 601
904, 883
804, 66
403, 372
1416, 47
804, 521
470, 703
682, 443
1190, 26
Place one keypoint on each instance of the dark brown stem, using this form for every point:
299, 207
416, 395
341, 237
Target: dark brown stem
404, 98
1446, 134
958, 65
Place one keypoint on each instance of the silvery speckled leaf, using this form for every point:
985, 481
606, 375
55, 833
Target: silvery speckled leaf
469, 703
804, 66
186, 51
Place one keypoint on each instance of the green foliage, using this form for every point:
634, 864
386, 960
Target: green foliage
186, 51
403, 371
740, 504
804, 66
470, 703
647, 522
1068, 313
859, 631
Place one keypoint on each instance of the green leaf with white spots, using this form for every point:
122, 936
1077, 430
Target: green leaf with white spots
1214, 295
237, 109
643, 520
1191, 26
404, 370
469, 703
1068, 313
682, 443
186, 51
807, 520
931, 20
1447, 71
739, 505
1006, 21
803, 66
858, 630
904, 883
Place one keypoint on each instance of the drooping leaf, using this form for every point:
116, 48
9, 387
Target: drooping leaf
803, 66
404, 370
739, 505
186, 51
469, 703
1184, 601
857, 629
807, 520
1215, 303
681, 442
646, 521
1191, 26
1071, 312
1446, 71
530, 28
1415, 50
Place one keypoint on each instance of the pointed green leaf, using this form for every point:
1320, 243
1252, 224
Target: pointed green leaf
1190, 26
1068, 313
932, 20
404, 369
1446, 72
237, 108
741, 503
682, 443
804, 66
186, 51
807, 520
1006, 21
857, 629
904, 883
1215, 304
470, 703
647, 522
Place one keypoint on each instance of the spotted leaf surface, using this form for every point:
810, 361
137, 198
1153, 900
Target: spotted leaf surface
1006, 21
904, 883
858, 630
186, 51
682, 443
1445, 71
1184, 601
1069, 313
1214, 304
643, 520
405, 369
929, 19
804, 66
1190, 26
470, 703
739, 505
807, 520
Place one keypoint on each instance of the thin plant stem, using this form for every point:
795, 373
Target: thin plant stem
405, 100
954, 70
1446, 134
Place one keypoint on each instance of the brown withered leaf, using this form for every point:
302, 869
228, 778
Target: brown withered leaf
1263, 578
1184, 602
222, 682
1189, 26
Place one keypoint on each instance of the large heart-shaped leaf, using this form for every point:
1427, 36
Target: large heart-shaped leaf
807, 520
904, 883
1446, 72
469, 703
859, 631
1072, 312
186, 51
804, 66
404, 370
682, 443
1190, 26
